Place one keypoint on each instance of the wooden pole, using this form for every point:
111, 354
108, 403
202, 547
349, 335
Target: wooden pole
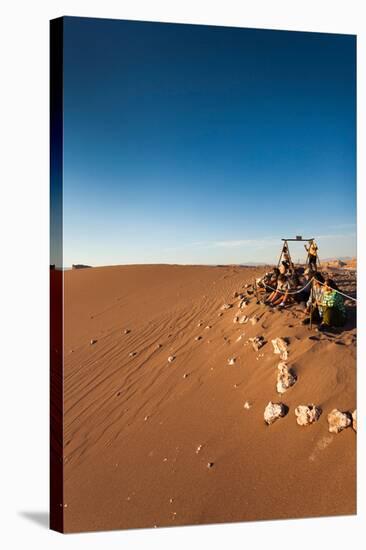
311, 306
292, 266
283, 246
256, 289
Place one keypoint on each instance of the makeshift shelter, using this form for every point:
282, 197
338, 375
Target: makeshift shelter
286, 255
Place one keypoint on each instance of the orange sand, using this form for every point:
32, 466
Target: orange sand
133, 424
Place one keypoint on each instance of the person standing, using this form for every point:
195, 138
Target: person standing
312, 251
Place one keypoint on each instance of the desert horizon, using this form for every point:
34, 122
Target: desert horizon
350, 262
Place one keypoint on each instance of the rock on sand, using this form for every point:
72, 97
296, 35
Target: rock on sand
354, 420
338, 421
307, 414
273, 411
280, 348
257, 342
285, 378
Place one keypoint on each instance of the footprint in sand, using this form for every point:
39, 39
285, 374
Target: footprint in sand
320, 446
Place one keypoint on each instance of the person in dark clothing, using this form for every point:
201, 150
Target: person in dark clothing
302, 283
314, 310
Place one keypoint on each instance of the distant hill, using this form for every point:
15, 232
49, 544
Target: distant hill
341, 258
342, 262
80, 266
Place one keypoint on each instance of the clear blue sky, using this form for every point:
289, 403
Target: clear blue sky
198, 144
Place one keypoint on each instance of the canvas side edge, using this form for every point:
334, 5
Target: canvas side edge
56, 277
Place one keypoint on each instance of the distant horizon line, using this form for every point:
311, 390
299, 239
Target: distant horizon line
214, 264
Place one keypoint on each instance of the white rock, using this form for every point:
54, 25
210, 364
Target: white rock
199, 447
354, 420
280, 348
243, 303
273, 411
257, 342
171, 358
127, 331
243, 319
240, 337
133, 353
254, 320
226, 306
247, 405
231, 361
208, 327
236, 319
285, 378
338, 421
307, 414
93, 342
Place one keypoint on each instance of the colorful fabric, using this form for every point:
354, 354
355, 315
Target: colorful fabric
333, 300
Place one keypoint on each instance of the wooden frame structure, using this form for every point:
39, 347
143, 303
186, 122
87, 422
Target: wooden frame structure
286, 247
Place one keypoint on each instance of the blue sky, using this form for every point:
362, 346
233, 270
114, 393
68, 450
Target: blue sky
197, 144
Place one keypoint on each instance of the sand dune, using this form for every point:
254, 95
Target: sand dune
148, 442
